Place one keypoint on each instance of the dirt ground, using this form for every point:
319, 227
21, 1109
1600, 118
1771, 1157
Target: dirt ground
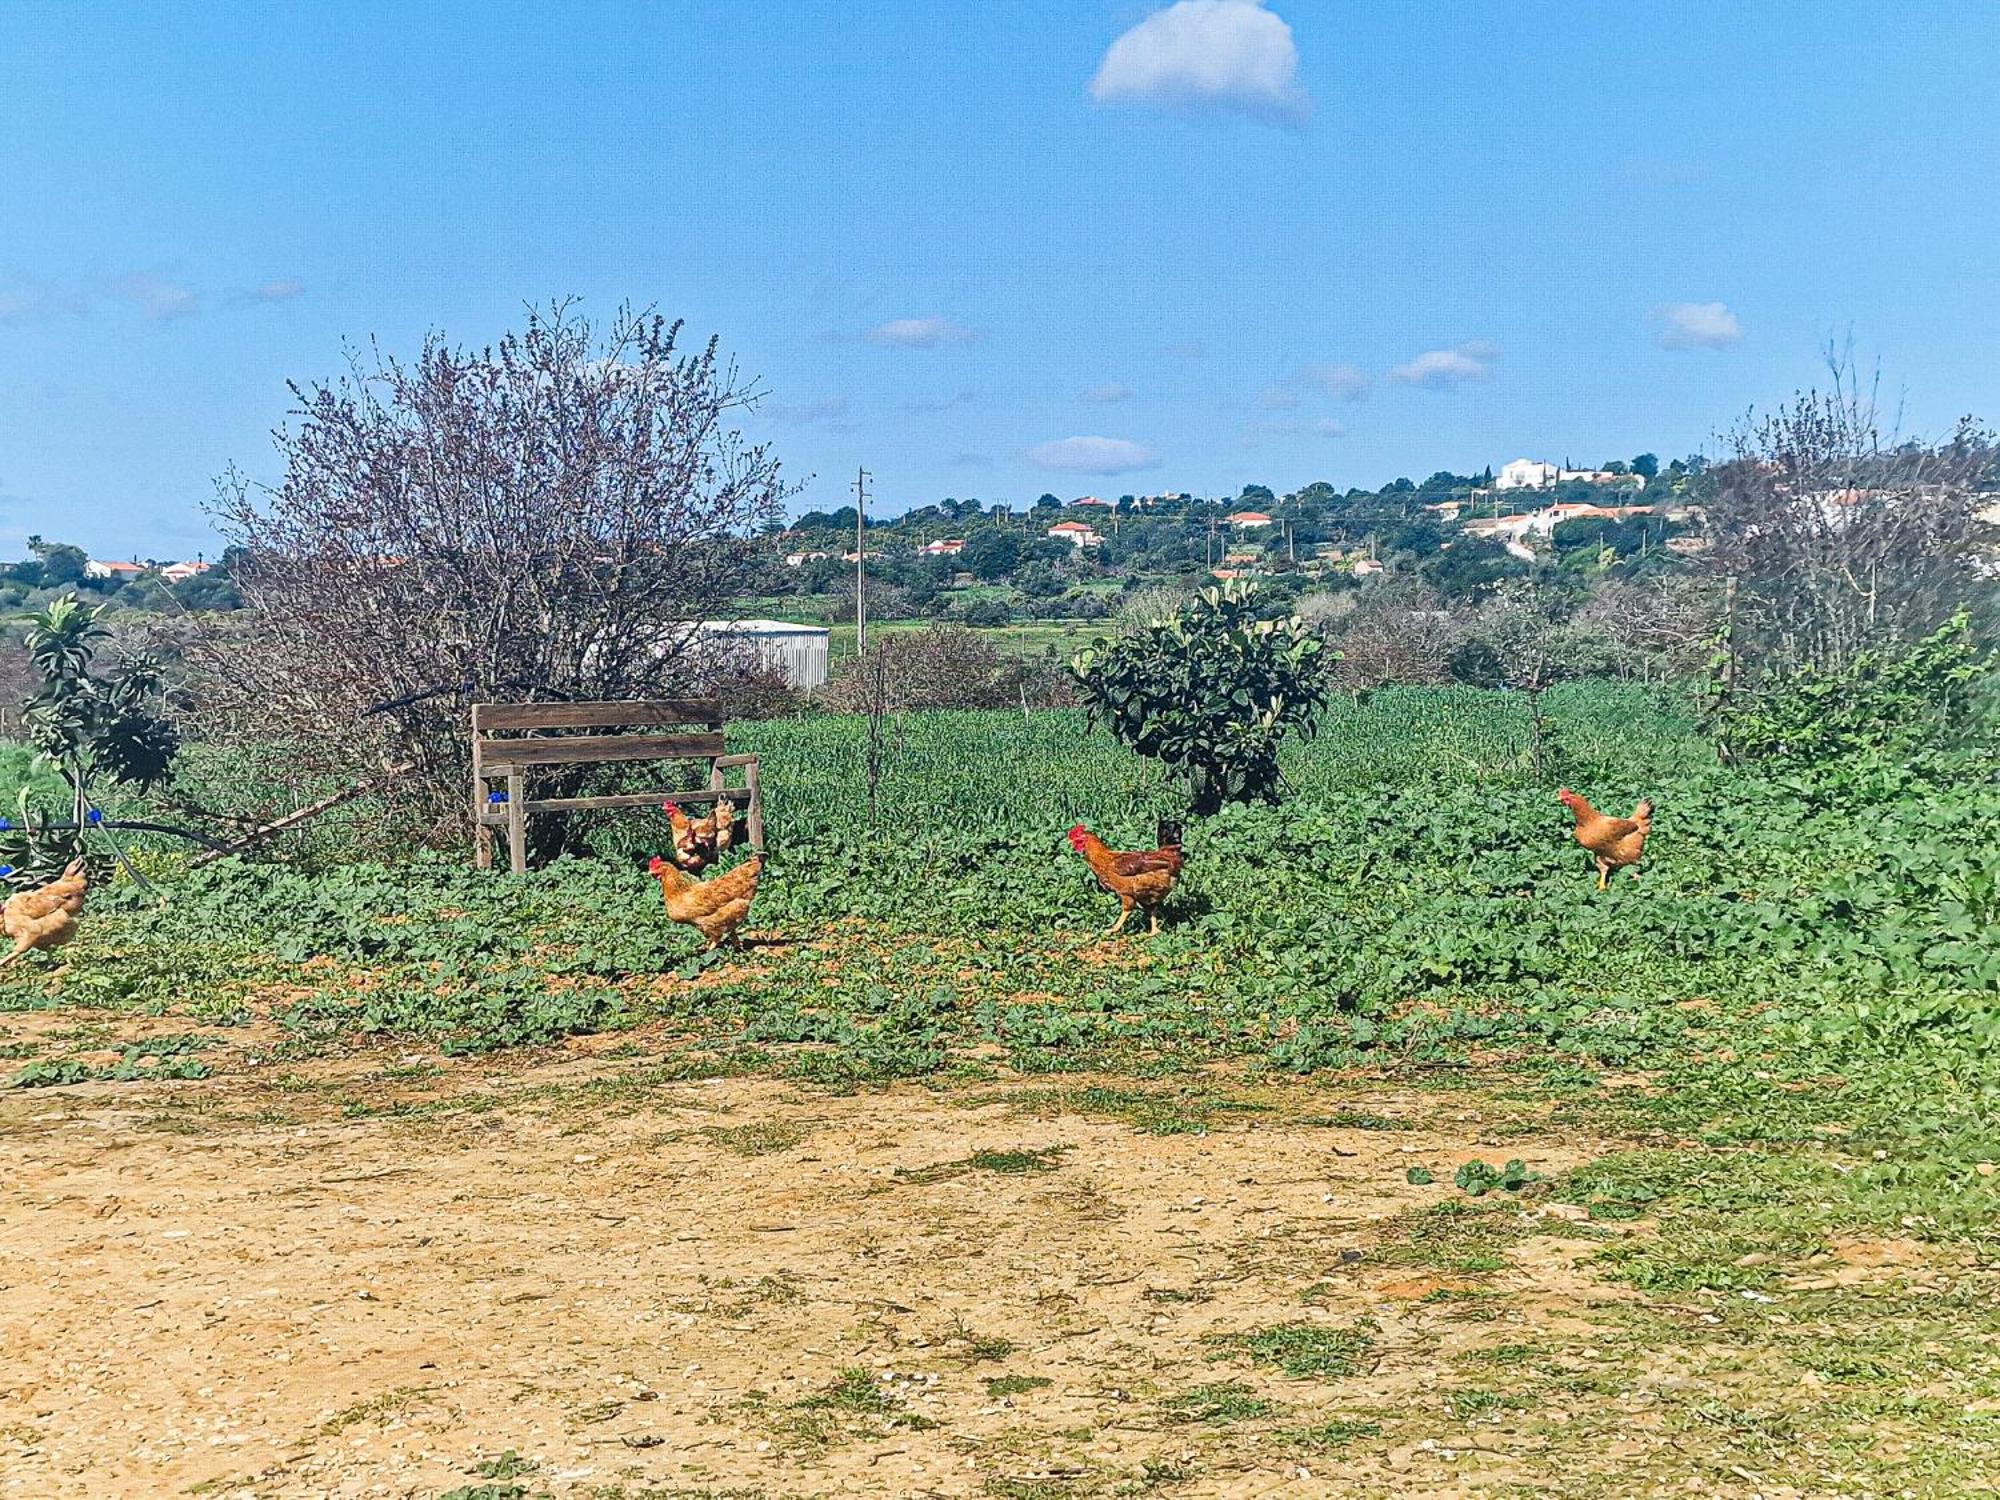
574, 1279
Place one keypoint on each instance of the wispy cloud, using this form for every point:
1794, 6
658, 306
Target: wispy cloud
1697, 325
1277, 398
1092, 455
277, 291
1448, 367
1342, 382
1104, 395
1206, 56
24, 299
1324, 427
827, 409
927, 405
159, 301
971, 461
1185, 349
921, 333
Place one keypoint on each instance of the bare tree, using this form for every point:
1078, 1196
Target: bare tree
1395, 634
546, 518
1838, 532
1659, 626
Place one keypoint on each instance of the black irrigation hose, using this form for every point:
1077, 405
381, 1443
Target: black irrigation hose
140, 827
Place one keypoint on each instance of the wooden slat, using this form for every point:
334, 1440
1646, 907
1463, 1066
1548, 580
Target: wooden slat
587, 749
609, 714
629, 799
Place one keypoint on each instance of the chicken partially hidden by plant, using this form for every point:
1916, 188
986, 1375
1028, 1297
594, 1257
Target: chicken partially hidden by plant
1614, 842
701, 841
44, 917
1143, 877
714, 908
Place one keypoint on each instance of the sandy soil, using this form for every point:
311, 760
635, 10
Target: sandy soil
636, 1287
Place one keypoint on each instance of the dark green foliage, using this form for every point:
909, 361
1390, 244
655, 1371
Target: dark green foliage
1211, 694
95, 728
1883, 703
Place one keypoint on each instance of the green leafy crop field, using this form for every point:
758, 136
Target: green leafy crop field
1773, 1047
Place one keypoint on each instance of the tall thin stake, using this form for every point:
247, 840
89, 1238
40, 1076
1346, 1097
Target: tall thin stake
860, 560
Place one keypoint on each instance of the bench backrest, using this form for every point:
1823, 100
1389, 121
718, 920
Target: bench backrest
528, 748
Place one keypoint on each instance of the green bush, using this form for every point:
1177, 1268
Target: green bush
1210, 693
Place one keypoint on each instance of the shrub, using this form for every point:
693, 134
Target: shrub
1210, 693
1883, 702
939, 666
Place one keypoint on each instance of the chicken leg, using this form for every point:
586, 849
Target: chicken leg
1124, 911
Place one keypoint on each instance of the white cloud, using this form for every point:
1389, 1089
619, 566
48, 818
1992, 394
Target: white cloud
1093, 455
1697, 325
1315, 427
1343, 382
1448, 367
1207, 55
160, 300
920, 333
1104, 394
278, 291
1277, 398
826, 409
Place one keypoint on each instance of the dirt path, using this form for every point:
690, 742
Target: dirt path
657, 1288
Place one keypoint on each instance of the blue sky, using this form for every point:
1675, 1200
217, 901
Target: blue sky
1229, 242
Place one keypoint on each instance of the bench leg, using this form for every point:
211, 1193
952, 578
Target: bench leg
756, 791
517, 823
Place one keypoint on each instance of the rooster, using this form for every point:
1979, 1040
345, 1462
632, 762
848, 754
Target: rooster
1615, 842
700, 842
44, 917
1142, 878
714, 908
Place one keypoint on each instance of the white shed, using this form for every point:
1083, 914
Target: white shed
798, 651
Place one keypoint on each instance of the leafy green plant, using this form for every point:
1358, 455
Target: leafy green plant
1210, 693
1477, 1179
1884, 702
90, 726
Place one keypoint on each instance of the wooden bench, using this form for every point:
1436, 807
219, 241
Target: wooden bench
508, 738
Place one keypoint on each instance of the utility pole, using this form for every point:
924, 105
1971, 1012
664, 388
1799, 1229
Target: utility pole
861, 477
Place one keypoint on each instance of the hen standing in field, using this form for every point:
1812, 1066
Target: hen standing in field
1615, 842
44, 917
714, 908
1142, 878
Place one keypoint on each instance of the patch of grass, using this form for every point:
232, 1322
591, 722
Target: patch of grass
1149, 1111
759, 1138
1016, 1385
372, 1409
1304, 1351
1465, 1404
1355, 1119
1004, 1163
976, 1348
1459, 1234
1216, 1405
1331, 1436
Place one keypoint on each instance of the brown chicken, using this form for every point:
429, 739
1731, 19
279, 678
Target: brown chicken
1142, 878
46, 916
700, 842
1614, 842
714, 908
